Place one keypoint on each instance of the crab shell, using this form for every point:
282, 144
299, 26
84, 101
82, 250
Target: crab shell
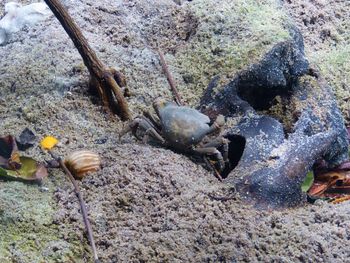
182, 126
81, 162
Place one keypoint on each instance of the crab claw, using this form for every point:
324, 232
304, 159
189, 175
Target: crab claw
132, 126
220, 121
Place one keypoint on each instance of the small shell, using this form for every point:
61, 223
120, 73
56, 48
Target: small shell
81, 162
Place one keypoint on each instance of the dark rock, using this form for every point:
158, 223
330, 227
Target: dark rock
272, 168
101, 140
278, 150
256, 86
26, 139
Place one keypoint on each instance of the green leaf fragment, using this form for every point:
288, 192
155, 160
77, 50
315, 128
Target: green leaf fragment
3, 172
29, 171
308, 181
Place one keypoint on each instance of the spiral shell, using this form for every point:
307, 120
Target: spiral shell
81, 162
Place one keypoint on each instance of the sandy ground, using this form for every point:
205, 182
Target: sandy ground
147, 204
325, 26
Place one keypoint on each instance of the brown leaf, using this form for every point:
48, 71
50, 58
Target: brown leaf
9, 156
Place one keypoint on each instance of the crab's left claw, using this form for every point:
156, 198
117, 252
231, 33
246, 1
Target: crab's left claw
142, 129
132, 126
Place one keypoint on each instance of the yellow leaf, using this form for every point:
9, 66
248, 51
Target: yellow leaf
48, 142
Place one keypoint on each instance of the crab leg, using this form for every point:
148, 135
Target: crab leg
217, 142
153, 119
212, 151
210, 165
132, 126
147, 126
151, 132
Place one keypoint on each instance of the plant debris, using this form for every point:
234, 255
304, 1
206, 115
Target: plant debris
30, 170
48, 143
16, 167
107, 81
9, 156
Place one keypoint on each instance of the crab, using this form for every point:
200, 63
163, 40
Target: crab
183, 129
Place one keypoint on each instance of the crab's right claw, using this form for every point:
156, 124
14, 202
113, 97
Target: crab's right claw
220, 121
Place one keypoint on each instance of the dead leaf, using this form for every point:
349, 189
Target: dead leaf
30, 170
9, 156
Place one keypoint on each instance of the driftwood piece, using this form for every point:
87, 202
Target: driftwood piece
107, 81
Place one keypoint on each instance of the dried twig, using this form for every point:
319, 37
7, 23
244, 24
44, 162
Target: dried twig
81, 202
106, 80
171, 81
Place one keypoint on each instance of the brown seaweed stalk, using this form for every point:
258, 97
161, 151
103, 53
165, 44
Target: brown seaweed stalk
170, 79
81, 202
106, 80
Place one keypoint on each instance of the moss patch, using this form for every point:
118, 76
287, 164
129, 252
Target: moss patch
28, 232
230, 36
335, 66
327, 42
